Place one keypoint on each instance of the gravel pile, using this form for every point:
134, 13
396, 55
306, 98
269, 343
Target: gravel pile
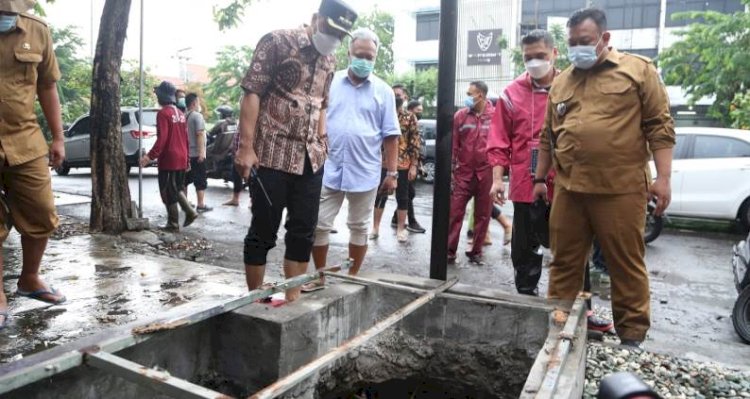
671, 377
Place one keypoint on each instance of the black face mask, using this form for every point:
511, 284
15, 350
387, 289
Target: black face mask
399, 102
418, 115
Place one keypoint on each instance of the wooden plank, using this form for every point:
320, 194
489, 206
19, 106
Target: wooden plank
287, 383
159, 381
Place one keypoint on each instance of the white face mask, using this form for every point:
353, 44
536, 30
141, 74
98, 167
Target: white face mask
325, 44
538, 68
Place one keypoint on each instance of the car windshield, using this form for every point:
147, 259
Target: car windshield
428, 130
149, 117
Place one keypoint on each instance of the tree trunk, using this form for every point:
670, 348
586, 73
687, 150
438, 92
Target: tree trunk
110, 202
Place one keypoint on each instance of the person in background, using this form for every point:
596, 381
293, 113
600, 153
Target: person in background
196, 131
408, 160
25, 154
361, 119
516, 129
228, 125
496, 215
285, 152
606, 117
415, 108
171, 151
472, 174
180, 97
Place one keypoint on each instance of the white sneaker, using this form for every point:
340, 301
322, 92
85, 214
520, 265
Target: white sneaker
402, 236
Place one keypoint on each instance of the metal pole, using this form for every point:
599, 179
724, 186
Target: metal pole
445, 107
140, 124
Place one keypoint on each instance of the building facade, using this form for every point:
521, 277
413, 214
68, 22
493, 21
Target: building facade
638, 26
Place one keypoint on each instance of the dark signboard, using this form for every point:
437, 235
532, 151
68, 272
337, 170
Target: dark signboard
484, 47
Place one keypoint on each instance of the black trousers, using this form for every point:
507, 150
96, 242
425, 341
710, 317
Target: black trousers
171, 182
402, 191
300, 195
238, 183
527, 262
197, 175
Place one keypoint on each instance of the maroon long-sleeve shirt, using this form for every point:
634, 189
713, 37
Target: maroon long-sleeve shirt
171, 147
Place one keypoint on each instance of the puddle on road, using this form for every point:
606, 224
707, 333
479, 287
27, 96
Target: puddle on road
105, 286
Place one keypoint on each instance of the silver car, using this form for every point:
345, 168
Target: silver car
78, 139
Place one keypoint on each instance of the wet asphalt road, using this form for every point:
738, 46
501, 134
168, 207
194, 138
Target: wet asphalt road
691, 279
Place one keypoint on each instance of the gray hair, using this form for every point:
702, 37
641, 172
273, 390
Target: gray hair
364, 34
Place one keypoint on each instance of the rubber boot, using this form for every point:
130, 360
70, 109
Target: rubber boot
190, 213
173, 218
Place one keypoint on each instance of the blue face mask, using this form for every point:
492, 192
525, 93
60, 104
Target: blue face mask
7, 22
583, 57
469, 102
361, 67
181, 102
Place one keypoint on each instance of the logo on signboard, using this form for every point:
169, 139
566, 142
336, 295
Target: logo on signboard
484, 41
484, 47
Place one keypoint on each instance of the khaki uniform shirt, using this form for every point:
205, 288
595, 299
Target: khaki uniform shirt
27, 60
604, 122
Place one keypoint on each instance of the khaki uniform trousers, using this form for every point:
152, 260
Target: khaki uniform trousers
28, 190
617, 221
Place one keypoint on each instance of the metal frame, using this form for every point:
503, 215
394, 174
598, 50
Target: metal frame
158, 380
559, 356
100, 355
69, 360
288, 383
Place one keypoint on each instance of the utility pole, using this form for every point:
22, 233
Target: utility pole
445, 108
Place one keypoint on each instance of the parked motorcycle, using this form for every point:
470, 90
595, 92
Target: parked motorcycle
220, 151
741, 269
654, 224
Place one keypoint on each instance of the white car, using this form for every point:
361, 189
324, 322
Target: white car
711, 174
78, 139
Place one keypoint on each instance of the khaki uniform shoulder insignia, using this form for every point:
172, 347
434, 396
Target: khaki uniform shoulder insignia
640, 57
34, 18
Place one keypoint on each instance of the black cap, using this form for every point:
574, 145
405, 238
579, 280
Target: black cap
338, 14
165, 92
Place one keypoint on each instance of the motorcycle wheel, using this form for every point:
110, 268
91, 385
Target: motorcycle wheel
654, 225
741, 315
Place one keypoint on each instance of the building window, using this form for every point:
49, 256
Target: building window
678, 6
426, 65
428, 26
630, 14
534, 13
646, 52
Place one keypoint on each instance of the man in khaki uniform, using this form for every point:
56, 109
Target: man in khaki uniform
605, 115
28, 69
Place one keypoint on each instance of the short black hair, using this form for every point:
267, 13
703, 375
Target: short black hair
413, 104
400, 86
595, 14
190, 99
537, 35
481, 86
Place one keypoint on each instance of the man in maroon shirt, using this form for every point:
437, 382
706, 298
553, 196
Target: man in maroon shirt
472, 174
171, 149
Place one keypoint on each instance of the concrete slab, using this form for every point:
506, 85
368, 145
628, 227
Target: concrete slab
104, 289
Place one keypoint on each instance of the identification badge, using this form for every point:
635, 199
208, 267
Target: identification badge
561, 109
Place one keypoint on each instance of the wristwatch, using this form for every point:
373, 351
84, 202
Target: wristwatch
540, 180
393, 174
